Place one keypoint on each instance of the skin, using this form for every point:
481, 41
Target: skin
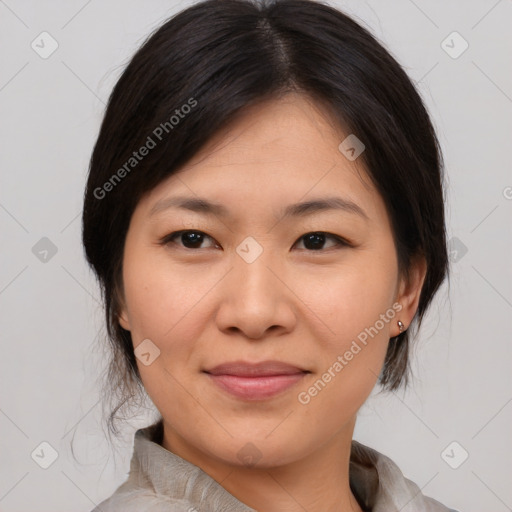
206, 305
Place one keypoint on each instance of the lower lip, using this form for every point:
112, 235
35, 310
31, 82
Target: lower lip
256, 388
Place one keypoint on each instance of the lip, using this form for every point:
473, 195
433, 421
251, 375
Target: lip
255, 381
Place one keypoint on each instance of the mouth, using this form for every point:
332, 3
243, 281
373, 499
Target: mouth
255, 381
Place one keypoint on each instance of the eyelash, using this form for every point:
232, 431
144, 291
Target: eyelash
340, 242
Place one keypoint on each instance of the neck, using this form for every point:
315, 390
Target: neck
318, 482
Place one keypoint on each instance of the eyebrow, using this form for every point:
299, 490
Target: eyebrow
201, 205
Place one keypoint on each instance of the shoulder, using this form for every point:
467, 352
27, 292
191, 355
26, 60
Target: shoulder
390, 489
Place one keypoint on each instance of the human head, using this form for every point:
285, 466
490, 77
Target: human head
219, 58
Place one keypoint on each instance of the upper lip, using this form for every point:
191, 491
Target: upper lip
261, 369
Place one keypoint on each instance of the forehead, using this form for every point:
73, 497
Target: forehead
279, 151
290, 129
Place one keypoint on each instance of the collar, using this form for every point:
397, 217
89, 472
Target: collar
375, 480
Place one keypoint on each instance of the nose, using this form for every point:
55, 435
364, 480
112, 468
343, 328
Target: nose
255, 300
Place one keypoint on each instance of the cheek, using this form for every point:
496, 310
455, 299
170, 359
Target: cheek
351, 364
161, 297
347, 300
353, 306
172, 319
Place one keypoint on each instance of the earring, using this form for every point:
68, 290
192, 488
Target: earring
400, 326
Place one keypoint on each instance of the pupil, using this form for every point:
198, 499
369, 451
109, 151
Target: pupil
314, 240
192, 238
317, 240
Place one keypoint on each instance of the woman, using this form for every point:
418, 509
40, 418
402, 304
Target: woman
264, 212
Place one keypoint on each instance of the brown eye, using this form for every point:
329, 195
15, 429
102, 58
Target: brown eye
193, 239
316, 240
189, 239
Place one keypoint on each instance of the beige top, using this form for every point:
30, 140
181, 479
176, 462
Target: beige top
161, 481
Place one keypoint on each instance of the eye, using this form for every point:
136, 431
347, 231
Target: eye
193, 239
189, 238
316, 240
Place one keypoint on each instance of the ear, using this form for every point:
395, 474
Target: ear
123, 320
123, 316
410, 291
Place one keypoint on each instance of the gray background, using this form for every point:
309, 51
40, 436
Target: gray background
50, 111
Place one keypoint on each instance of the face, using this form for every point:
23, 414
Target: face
314, 290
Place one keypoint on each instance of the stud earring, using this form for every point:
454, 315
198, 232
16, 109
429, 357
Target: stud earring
400, 326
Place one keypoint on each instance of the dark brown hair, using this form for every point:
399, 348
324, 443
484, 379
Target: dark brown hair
218, 57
